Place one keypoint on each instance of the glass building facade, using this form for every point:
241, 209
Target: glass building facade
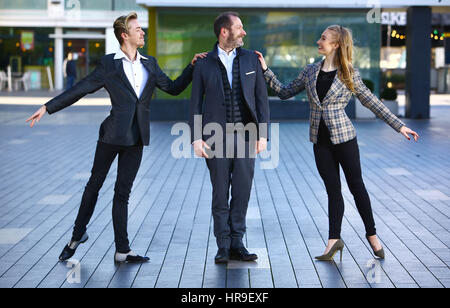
31, 47
286, 38
102, 5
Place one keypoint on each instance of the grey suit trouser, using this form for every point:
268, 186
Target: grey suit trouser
235, 173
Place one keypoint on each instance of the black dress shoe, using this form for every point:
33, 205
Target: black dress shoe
129, 257
223, 256
70, 248
242, 254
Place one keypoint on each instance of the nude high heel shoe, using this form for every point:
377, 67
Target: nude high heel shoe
338, 246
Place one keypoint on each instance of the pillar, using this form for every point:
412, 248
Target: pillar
111, 42
418, 62
151, 35
59, 59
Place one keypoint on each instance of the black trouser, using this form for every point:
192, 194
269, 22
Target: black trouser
328, 158
129, 161
237, 173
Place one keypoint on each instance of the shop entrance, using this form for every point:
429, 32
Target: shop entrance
85, 52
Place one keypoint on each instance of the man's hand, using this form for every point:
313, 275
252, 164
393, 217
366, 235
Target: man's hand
37, 115
198, 55
199, 150
261, 145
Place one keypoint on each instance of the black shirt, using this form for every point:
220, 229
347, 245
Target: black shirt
324, 82
323, 85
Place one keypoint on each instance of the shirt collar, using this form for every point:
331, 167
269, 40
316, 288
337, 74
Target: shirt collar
222, 52
120, 55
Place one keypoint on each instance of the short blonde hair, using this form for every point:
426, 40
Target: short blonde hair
121, 25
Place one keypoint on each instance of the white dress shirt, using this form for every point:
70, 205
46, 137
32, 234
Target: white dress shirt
135, 71
227, 60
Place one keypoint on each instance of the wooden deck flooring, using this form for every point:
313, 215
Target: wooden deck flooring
44, 171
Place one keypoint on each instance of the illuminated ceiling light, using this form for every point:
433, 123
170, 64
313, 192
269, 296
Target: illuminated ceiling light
436, 37
97, 45
397, 36
69, 44
442, 38
389, 85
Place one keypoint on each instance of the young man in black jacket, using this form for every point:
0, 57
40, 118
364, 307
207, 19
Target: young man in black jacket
130, 78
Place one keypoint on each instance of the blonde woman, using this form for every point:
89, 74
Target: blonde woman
329, 85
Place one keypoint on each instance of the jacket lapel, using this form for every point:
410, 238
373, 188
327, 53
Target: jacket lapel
147, 66
119, 68
243, 68
215, 56
313, 82
334, 89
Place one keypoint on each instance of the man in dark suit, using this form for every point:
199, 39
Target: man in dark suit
232, 82
130, 79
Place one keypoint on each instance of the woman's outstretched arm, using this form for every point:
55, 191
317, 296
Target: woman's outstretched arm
370, 101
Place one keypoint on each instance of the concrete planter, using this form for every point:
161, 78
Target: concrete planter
362, 112
392, 106
276, 98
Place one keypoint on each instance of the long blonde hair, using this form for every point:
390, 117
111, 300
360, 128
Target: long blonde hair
344, 54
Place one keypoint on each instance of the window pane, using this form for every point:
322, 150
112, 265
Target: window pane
287, 39
126, 5
23, 5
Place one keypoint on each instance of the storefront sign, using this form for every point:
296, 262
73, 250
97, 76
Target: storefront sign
393, 18
27, 40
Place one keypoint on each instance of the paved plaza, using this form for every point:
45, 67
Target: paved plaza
44, 171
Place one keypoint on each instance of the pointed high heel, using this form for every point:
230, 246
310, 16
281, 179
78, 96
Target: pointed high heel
338, 246
378, 253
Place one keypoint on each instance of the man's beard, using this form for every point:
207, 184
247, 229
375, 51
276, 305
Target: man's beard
235, 42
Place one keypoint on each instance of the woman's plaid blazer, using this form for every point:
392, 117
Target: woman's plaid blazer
332, 108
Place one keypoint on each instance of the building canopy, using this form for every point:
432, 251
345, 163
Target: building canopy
293, 3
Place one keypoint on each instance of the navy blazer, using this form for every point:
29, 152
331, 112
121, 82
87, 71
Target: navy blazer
109, 74
208, 98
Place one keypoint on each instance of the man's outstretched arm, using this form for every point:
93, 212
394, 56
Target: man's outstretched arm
90, 84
